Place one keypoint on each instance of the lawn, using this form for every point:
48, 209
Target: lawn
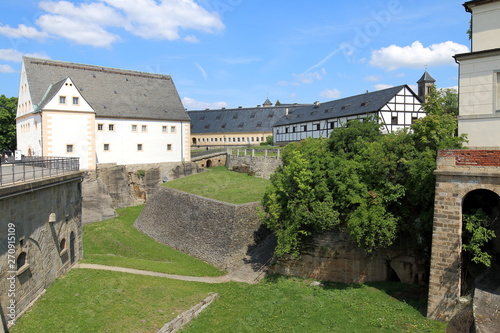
220, 184
101, 301
292, 305
116, 242
93, 301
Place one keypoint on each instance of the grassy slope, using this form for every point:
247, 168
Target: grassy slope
220, 184
116, 242
290, 305
85, 301
101, 301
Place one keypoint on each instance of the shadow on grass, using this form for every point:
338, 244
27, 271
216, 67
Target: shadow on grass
411, 294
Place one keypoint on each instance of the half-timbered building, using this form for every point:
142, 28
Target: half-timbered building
395, 108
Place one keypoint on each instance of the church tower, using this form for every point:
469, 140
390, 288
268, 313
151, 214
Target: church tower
424, 86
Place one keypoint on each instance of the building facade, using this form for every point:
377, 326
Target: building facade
236, 127
99, 114
396, 108
479, 82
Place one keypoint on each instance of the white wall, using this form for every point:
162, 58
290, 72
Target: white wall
486, 27
123, 141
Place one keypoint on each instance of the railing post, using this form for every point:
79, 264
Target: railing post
265, 153
253, 153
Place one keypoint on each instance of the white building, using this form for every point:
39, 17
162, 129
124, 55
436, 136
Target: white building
479, 85
396, 108
99, 114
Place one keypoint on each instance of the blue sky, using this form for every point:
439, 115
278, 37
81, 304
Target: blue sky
229, 53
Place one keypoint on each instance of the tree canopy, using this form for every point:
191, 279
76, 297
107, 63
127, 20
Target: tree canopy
8, 107
375, 186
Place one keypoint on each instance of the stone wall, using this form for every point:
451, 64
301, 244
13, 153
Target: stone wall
213, 231
114, 186
458, 173
246, 161
334, 257
37, 220
187, 316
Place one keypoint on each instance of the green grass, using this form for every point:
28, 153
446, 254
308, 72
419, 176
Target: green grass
85, 301
101, 301
220, 184
291, 305
116, 242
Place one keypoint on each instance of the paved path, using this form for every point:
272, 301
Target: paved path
218, 279
253, 267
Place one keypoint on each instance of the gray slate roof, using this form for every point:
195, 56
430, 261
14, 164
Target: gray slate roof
237, 120
426, 77
350, 106
113, 93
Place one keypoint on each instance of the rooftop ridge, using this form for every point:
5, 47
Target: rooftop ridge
94, 68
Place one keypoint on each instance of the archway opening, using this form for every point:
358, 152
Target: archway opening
480, 246
194, 141
209, 163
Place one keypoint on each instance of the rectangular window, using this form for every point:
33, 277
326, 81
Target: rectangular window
62, 99
100, 127
164, 129
394, 120
139, 147
169, 147
111, 127
172, 129
134, 128
69, 148
316, 127
413, 119
106, 147
144, 128
76, 100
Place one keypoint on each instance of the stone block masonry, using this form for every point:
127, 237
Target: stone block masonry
216, 232
458, 173
260, 166
40, 238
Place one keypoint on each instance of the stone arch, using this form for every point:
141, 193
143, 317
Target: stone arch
489, 202
209, 163
458, 173
194, 141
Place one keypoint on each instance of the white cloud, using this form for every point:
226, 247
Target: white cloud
191, 103
89, 23
6, 69
330, 93
416, 55
309, 77
192, 39
22, 31
373, 78
202, 70
149, 19
16, 56
382, 86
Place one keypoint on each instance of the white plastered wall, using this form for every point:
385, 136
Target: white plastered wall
122, 142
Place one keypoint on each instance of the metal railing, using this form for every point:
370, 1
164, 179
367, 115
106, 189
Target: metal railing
32, 168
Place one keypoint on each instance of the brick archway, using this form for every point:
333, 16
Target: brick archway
458, 173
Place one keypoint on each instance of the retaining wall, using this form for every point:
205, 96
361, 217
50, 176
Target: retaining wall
334, 257
37, 219
246, 161
216, 232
